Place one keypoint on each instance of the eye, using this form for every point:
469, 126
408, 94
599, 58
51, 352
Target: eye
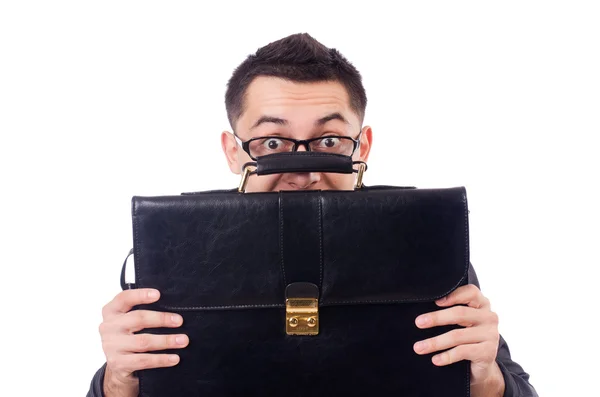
273, 143
329, 142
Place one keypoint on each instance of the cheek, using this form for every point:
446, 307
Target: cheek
338, 181
266, 183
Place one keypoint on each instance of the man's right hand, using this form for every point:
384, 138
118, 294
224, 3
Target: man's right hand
125, 351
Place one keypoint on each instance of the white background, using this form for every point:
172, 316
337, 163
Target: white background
100, 101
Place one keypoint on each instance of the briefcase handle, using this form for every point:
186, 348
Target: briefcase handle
279, 163
124, 284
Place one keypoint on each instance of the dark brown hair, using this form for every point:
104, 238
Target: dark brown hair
298, 58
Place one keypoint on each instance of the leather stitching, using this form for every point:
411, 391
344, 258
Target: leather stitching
406, 300
136, 255
465, 206
466, 233
138, 274
468, 380
310, 154
320, 221
281, 238
273, 305
266, 168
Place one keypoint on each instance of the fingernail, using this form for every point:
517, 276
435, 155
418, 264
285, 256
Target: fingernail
422, 320
174, 358
442, 300
437, 360
180, 339
176, 319
420, 346
153, 294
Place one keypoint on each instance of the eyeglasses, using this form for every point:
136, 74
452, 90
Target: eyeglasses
262, 146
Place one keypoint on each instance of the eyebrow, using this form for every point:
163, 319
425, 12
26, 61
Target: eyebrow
269, 119
332, 116
319, 122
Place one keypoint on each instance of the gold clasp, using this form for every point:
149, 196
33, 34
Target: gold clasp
362, 167
244, 181
302, 309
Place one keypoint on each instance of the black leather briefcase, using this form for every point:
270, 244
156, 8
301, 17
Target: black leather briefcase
302, 293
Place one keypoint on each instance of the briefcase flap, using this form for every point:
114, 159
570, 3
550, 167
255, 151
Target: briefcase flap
229, 250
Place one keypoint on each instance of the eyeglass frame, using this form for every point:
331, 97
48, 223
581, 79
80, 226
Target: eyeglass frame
297, 142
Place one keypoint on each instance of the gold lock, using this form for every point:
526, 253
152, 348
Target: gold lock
302, 316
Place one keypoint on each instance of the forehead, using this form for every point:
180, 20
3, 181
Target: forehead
293, 101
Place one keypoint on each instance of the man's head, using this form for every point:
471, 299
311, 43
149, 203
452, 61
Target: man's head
295, 88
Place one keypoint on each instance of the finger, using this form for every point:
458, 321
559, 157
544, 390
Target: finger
451, 339
477, 352
457, 315
142, 343
139, 319
466, 295
135, 362
126, 300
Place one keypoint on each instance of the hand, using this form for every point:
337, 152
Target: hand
478, 342
125, 351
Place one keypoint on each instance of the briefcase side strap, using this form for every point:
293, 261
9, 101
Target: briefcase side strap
125, 285
302, 162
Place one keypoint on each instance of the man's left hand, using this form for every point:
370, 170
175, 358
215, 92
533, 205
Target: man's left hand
477, 342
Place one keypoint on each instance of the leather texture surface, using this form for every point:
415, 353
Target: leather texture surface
380, 257
304, 162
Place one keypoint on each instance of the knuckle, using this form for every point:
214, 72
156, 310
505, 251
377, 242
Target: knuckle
143, 361
170, 340
434, 318
135, 320
112, 362
140, 297
464, 316
494, 337
152, 361
143, 341
459, 353
432, 344
123, 299
106, 339
164, 361
107, 347
494, 348
119, 298
457, 336
448, 356
488, 354
140, 318
461, 312
105, 311
494, 318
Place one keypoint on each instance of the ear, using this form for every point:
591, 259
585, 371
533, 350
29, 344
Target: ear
366, 141
230, 149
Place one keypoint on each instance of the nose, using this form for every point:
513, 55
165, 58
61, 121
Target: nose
301, 148
302, 180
